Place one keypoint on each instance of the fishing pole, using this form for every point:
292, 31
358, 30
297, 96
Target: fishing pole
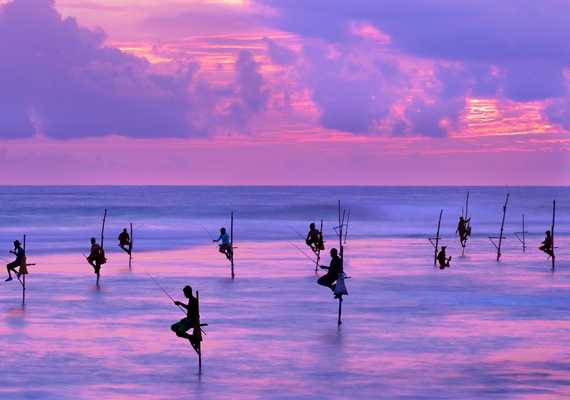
164, 291
297, 232
303, 252
207, 231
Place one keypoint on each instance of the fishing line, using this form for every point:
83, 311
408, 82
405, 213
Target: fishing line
297, 232
164, 291
208, 232
303, 252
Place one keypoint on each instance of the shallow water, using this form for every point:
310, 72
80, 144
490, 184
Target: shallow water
480, 329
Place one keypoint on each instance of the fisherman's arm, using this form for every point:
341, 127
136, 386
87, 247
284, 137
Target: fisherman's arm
179, 303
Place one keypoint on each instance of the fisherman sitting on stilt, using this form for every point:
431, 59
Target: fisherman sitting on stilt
443, 259
125, 241
315, 239
96, 256
225, 245
191, 321
331, 277
464, 230
18, 262
547, 244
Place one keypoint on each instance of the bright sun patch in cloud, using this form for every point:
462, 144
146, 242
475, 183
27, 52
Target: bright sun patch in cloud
487, 117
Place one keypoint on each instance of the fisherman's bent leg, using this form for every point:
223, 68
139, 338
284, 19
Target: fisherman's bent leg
326, 281
11, 267
182, 327
545, 249
175, 327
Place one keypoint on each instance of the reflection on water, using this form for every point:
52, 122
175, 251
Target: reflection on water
480, 329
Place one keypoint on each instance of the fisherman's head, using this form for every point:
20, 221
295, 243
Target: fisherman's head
334, 252
187, 291
461, 219
443, 248
547, 233
312, 226
223, 231
17, 243
93, 241
125, 230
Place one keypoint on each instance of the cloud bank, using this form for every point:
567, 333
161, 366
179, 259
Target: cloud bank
60, 80
515, 50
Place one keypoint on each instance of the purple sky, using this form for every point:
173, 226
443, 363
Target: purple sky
284, 92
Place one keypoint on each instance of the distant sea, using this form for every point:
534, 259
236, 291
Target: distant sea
61, 219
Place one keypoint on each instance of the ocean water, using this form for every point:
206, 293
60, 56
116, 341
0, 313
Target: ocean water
479, 330
62, 219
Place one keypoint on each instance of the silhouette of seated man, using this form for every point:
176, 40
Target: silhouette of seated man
443, 259
192, 320
125, 241
225, 244
315, 239
547, 244
96, 256
464, 230
333, 271
17, 263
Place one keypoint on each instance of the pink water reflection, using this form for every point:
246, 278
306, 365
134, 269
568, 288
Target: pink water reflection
477, 330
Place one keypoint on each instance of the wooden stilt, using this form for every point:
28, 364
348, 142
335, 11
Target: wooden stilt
346, 229
521, 236
131, 247
103, 228
340, 223
501, 236
502, 228
552, 232
436, 238
341, 249
102, 240
24, 275
200, 361
232, 244
199, 333
466, 216
319, 249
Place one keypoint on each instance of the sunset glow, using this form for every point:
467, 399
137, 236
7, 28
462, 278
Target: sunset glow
268, 71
